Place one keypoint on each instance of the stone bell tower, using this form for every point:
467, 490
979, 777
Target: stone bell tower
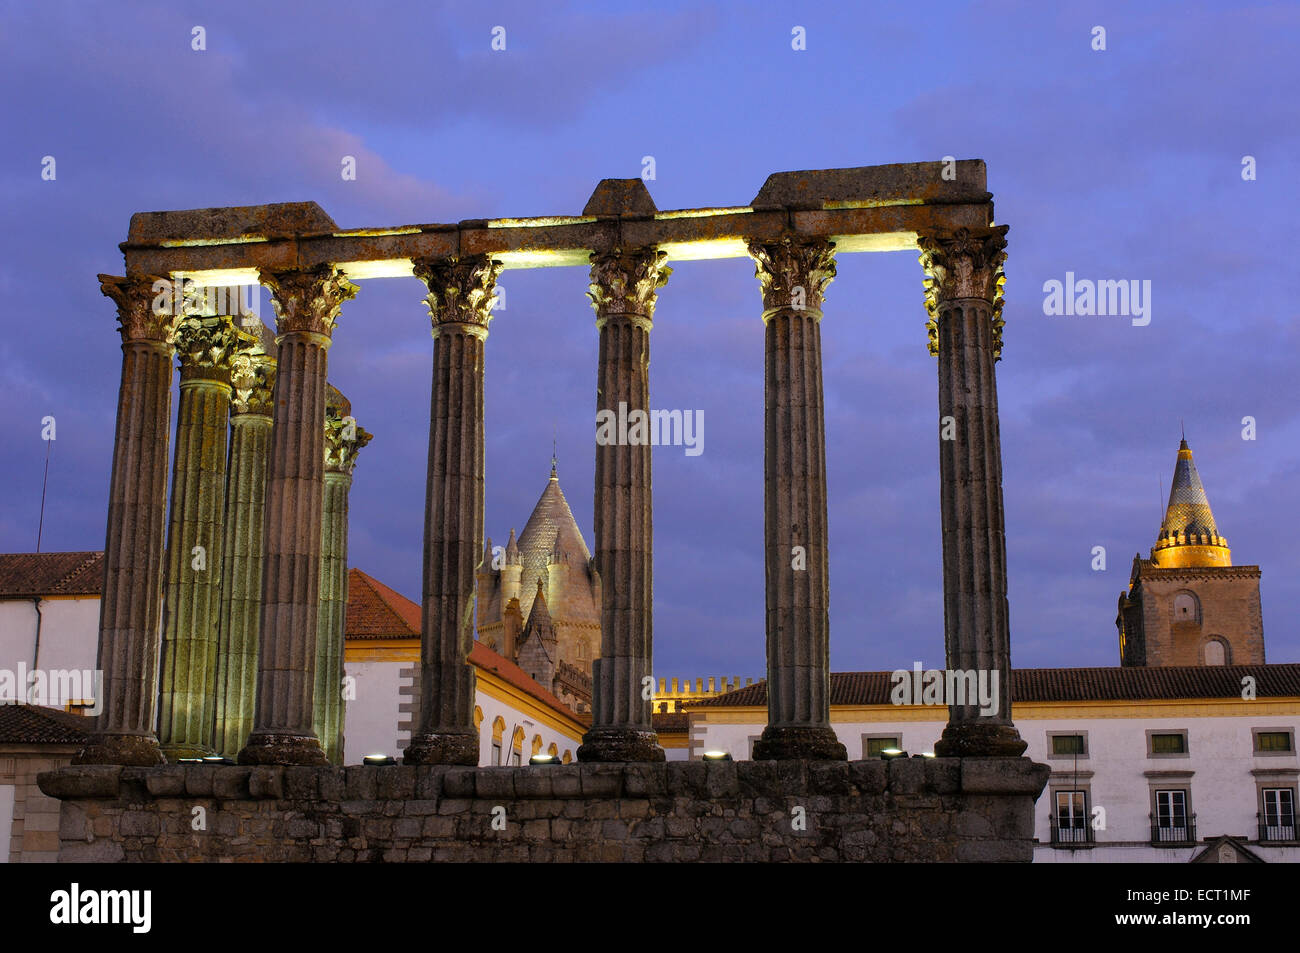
1187, 604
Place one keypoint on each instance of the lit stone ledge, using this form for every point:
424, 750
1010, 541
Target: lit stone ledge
917, 809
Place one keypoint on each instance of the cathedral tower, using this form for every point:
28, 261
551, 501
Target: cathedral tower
1187, 604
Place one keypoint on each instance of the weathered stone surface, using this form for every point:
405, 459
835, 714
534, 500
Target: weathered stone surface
711, 812
81, 781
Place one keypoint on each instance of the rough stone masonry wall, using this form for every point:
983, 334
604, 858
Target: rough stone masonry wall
918, 809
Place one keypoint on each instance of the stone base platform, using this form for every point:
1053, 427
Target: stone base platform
917, 809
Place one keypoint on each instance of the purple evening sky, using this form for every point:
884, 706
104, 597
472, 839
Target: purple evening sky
1119, 164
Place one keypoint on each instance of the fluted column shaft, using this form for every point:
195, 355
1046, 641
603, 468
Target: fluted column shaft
793, 275
133, 544
241, 581
192, 591
306, 304
623, 292
963, 296
459, 301
343, 438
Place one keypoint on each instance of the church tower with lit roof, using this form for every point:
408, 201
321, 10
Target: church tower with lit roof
1188, 604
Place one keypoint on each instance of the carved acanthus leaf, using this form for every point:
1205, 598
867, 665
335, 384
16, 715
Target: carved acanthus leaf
343, 440
145, 309
208, 343
964, 264
461, 290
627, 282
794, 272
308, 300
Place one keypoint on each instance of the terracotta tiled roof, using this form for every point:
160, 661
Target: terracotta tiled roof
25, 575
34, 725
671, 722
377, 612
485, 658
1065, 684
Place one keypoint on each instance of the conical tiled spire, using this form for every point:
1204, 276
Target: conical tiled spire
551, 527
1188, 536
512, 549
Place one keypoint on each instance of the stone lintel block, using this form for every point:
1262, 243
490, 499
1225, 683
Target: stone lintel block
198, 780
994, 852
230, 782
459, 783
830, 777
601, 779
360, 783
566, 780
721, 779
645, 780
332, 783
943, 775
280, 219
300, 782
533, 782
395, 782
494, 782
687, 778
85, 780
1003, 776
72, 822
100, 851
869, 777
772, 778
428, 780
906, 775
167, 781
876, 184
266, 781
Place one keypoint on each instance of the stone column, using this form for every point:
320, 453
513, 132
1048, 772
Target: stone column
624, 292
963, 297
794, 274
133, 544
192, 589
460, 303
307, 304
343, 440
241, 579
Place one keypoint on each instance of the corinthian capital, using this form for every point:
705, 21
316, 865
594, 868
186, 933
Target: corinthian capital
627, 282
144, 306
252, 377
343, 438
207, 346
308, 300
461, 290
794, 272
964, 264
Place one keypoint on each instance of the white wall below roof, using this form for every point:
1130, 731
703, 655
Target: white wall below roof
1221, 757
370, 720
69, 639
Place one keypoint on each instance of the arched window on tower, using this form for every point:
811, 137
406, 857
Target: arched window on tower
498, 734
1187, 608
1215, 652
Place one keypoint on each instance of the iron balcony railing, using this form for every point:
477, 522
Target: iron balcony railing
1276, 827
1068, 831
1175, 829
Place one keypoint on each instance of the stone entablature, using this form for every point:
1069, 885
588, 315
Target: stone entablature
918, 809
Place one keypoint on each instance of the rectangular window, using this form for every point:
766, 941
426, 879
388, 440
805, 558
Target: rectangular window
1273, 741
496, 752
1278, 820
515, 758
876, 745
1169, 743
1070, 822
1067, 744
1171, 816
